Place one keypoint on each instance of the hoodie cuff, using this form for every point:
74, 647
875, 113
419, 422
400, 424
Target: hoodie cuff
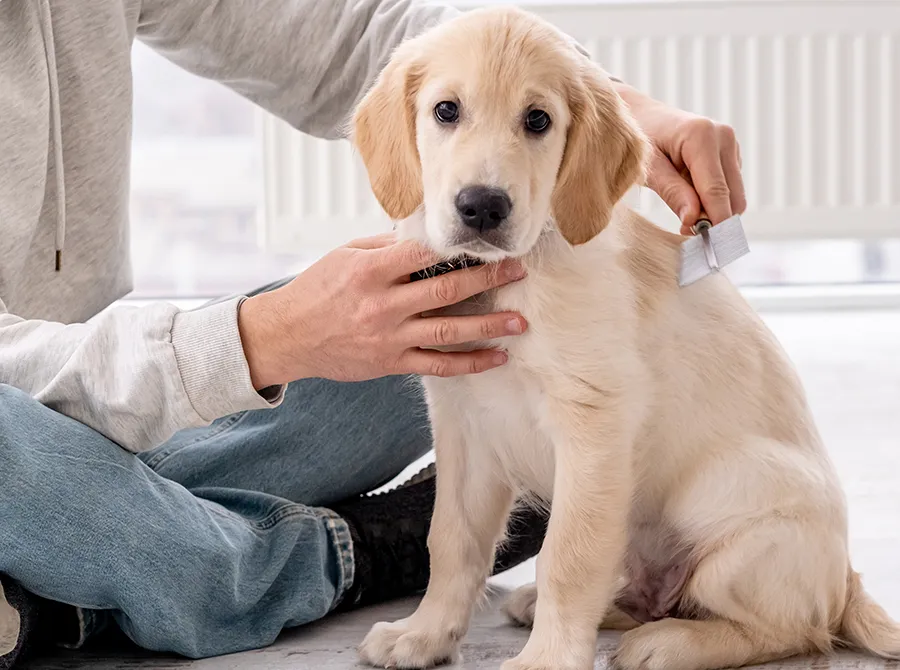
213, 367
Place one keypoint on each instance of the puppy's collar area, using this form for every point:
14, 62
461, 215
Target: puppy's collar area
446, 266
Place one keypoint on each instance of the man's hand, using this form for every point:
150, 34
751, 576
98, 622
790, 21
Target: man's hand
696, 162
354, 315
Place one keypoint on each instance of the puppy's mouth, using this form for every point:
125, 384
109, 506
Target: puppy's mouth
488, 247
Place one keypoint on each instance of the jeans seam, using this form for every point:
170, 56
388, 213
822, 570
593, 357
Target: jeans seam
339, 533
163, 454
287, 511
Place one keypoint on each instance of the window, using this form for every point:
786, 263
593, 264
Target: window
196, 188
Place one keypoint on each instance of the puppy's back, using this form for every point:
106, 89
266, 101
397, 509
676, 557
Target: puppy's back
706, 345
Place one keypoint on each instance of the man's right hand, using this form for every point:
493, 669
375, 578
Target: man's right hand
355, 315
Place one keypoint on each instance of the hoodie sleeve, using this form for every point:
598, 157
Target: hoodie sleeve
136, 375
306, 61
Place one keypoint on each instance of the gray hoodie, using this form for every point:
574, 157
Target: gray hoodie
137, 375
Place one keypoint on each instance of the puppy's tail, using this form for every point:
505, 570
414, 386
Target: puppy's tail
865, 625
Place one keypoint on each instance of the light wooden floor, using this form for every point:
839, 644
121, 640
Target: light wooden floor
850, 363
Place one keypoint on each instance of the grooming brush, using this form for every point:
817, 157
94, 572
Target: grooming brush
445, 267
711, 249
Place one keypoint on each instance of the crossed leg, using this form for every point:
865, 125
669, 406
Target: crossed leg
774, 591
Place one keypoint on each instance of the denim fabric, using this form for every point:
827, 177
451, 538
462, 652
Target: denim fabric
215, 541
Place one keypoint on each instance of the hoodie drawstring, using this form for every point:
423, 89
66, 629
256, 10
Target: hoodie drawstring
56, 130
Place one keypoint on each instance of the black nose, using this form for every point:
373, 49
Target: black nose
482, 207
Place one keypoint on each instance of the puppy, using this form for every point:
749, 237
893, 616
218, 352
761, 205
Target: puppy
692, 500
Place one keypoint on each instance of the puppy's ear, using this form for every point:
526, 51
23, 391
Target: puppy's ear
385, 135
604, 157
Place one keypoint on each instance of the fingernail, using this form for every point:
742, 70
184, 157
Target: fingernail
514, 327
514, 271
683, 214
500, 358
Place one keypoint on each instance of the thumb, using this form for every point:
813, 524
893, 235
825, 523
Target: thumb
675, 190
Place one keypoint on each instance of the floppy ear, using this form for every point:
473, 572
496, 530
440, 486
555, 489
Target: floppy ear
604, 157
385, 135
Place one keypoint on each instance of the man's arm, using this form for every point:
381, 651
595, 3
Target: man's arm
136, 375
307, 61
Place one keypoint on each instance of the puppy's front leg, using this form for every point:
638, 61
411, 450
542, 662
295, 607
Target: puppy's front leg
471, 509
586, 539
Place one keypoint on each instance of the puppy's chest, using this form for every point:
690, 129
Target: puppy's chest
547, 333
505, 417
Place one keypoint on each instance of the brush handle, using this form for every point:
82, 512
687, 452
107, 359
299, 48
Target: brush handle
702, 225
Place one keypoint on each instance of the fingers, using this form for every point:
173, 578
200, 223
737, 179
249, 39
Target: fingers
441, 364
401, 259
458, 285
445, 331
374, 242
699, 147
710, 156
709, 181
675, 190
730, 153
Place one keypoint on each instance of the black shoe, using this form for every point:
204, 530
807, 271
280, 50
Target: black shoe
390, 533
40, 622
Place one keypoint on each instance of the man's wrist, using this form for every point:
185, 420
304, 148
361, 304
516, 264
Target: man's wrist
258, 336
626, 92
636, 101
208, 351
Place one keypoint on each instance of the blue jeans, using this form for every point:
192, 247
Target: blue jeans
215, 541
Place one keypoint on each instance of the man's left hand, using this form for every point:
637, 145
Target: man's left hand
696, 162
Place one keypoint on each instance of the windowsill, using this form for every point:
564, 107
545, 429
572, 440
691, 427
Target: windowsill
766, 299
824, 297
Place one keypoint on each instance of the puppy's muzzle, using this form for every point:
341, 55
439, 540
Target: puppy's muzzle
482, 208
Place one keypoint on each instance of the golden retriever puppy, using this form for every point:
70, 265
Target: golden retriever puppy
690, 490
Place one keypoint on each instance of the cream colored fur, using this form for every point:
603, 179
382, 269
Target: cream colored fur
641, 410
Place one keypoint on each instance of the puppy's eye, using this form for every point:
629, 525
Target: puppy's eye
446, 112
537, 121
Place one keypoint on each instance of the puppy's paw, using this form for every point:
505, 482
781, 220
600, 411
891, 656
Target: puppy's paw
403, 645
520, 605
520, 664
653, 647
562, 658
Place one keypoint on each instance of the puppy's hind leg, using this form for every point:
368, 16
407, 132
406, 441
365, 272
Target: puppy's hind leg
471, 508
681, 644
775, 590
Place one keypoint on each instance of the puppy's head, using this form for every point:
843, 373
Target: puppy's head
494, 123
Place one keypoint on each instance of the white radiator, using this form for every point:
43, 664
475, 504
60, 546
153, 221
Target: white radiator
812, 88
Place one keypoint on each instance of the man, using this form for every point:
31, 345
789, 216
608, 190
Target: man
146, 477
